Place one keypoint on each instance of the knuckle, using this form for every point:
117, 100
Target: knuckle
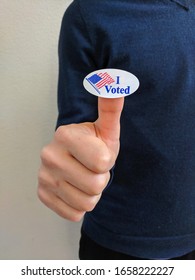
103, 162
46, 156
50, 158
90, 203
45, 180
42, 178
76, 217
71, 215
100, 183
62, 133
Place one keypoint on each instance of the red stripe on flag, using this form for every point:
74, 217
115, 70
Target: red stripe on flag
106, 80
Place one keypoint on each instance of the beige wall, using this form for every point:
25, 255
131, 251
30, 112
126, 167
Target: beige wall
29, 31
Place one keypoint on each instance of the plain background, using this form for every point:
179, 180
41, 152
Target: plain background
29, 32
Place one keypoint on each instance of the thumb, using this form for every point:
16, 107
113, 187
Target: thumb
108, 122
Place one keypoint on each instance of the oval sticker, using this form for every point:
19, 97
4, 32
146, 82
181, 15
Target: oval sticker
111, 83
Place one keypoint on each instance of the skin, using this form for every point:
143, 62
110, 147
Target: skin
75, 164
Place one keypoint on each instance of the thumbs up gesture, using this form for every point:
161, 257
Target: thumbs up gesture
75, 165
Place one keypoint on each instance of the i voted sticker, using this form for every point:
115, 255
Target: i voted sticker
111, 83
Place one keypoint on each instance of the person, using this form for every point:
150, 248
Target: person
137, 201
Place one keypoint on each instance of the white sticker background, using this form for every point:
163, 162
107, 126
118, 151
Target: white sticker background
111, 83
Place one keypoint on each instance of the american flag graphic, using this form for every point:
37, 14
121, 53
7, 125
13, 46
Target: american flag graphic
100, 80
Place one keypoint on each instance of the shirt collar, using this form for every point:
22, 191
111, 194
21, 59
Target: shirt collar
183, 3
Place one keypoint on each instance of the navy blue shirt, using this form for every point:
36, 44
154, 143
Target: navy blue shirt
148, 210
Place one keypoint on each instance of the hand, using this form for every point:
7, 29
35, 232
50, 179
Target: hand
75, 165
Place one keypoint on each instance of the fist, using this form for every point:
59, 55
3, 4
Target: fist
75, 165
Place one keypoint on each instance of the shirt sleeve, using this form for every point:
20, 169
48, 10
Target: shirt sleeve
76, 60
